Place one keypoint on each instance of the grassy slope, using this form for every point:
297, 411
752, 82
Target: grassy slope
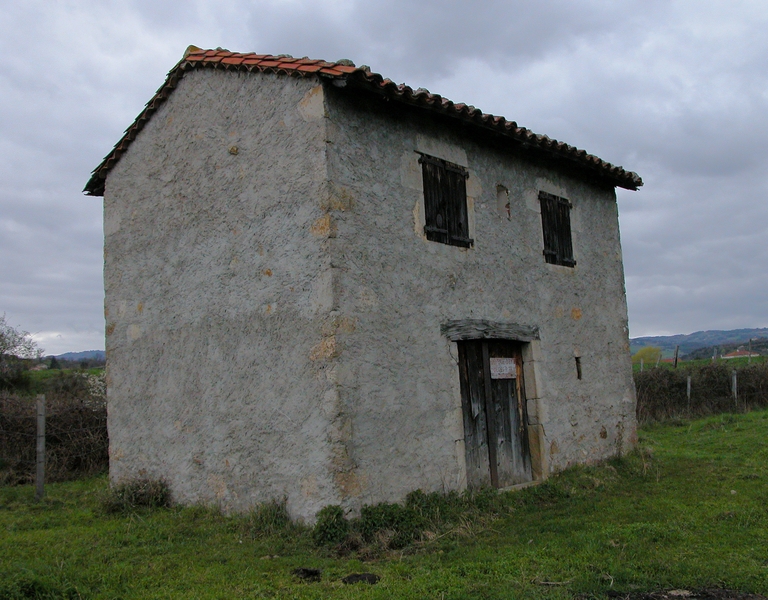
643, 523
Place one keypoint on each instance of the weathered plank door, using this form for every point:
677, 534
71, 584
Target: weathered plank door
495, 420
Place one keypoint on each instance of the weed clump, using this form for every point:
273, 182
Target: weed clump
132, 495
268, 519
423, 517
331, 528
393, 526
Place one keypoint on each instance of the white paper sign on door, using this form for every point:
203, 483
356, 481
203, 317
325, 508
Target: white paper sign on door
503, 368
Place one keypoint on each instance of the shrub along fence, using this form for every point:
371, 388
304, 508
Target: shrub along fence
698, 391
75, 431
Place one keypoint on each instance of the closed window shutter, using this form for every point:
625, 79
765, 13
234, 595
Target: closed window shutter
565, 244
445, 202
548, 220
556, 227
458, 225
435, 202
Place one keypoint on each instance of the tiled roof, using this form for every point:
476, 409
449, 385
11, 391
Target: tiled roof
739, 353
345, 73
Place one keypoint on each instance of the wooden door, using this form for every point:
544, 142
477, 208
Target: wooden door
493, 407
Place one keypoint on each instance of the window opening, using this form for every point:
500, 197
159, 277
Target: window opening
578, 367
556, 225
445, 202
502, 201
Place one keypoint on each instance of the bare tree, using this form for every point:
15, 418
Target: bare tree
15, 346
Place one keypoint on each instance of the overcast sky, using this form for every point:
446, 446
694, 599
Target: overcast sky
676, 91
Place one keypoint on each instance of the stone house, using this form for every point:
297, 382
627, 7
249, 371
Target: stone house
327, 287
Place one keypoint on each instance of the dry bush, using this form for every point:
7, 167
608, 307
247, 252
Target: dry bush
76, 431
661, 393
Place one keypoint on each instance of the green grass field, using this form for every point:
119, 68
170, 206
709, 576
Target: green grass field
39, 379
689, 510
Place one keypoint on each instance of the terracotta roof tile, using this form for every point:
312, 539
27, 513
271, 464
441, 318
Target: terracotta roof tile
308, 68
359, 78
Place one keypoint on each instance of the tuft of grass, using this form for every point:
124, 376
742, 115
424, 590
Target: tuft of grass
549, 493
267, 520
129, 496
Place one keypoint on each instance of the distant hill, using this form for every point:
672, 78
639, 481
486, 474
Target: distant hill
85, 355
700, 339
758, 346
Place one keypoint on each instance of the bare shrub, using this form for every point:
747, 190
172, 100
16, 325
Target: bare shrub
661, 393
17, 438
76, 431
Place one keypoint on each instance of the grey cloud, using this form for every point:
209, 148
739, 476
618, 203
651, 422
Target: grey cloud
427, 38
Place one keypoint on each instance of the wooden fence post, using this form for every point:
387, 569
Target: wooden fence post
734, 389
641, 365
40, 471
688, 392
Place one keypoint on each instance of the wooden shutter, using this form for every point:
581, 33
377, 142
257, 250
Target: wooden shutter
435, 205
445, 202
556, 226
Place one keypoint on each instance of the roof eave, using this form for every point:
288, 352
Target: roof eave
97, 181
363, 78
522, 137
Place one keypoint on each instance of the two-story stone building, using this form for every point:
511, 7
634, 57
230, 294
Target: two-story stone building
327, 287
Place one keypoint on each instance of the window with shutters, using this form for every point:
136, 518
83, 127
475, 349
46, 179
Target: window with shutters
445, 202
556, 224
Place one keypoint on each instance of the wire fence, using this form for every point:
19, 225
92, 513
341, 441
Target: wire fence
698, 391
75, 436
